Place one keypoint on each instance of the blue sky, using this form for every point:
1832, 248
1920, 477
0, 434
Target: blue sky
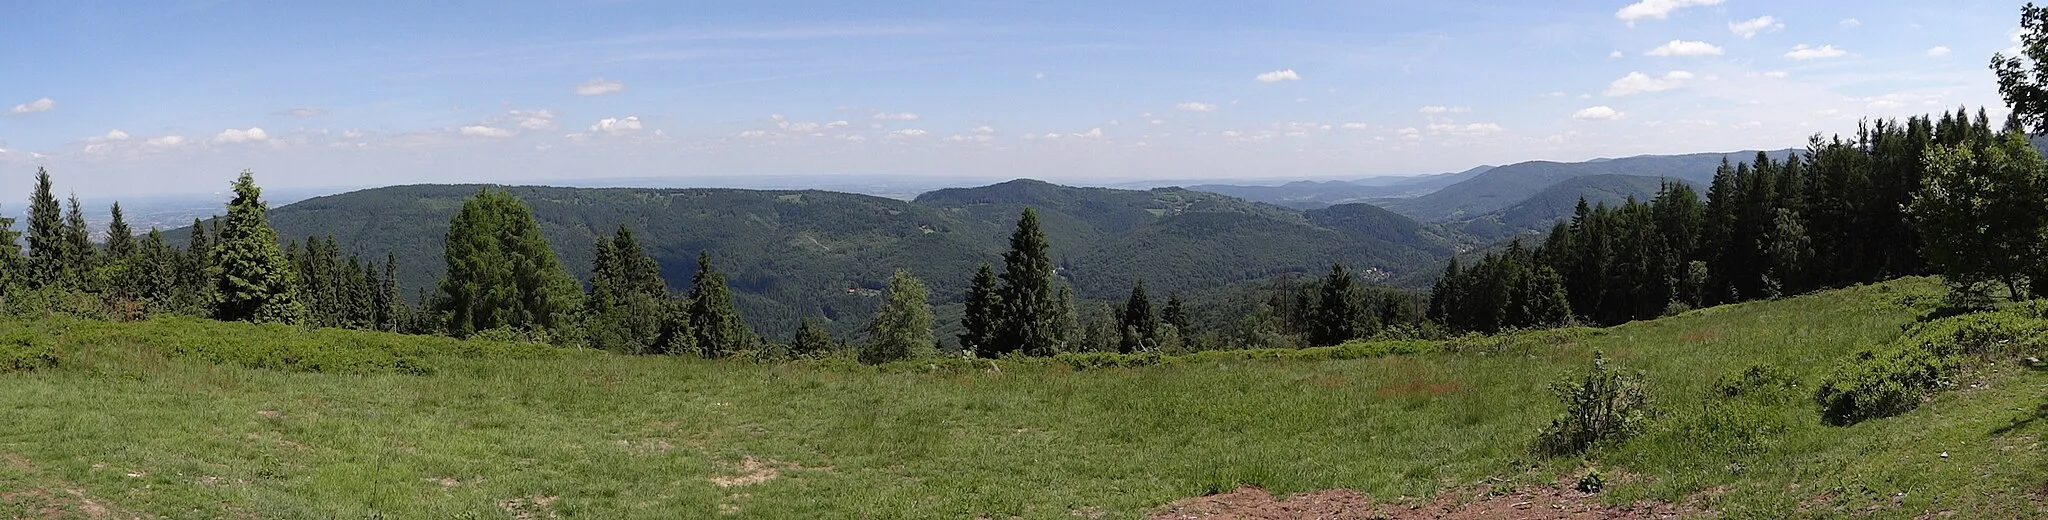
121, 98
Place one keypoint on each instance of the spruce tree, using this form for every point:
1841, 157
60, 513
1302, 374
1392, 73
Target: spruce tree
1139, 326
717, 327
252, 280
812, 340
501, 272
155, 270
1175, 313
623, 309
120, 239
984, 308
81, 257
389, 299
902, 328
1030, 313
46, 256
1335, 316
13, 266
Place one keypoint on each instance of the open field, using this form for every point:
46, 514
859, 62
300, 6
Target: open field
166, 419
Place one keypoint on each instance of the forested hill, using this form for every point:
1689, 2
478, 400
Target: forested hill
1556, 203
1499, 188
790, 254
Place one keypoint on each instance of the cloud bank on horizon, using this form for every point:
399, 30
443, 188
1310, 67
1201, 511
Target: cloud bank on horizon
150, 98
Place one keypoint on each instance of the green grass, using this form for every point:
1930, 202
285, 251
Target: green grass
137, 419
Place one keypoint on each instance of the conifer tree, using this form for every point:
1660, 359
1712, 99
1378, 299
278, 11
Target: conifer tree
1335, 316
902, 328
811, 339
389, 301
1175, 313
984, 308
81, 257
120, 239
624, 306
1030, 314
501, 272
717, 327
252, 280
13, 266
1139, 326
46, 252
155, 271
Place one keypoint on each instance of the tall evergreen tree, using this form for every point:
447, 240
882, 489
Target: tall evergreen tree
120, 239
717, 327
46, 252
1335, 318
812, 340
252, 280
984, 308
13, 266
1139, 326
81, 257
501, 272
902, 328
390, 302
1175, 313
626, 296
1030, 313
155, 270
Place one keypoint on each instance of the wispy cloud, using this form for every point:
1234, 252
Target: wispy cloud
899, 116
1805, 52
1749, 28
485, 131
1638, 83
40, 105
1937, 52
1686, 48
304, 112
1657, 9
233, 135
1195, 106
1279, 76
1597, 113
599, 87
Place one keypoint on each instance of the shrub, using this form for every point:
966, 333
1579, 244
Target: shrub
23, 351
1603, 405
1592, 481
1878, 384
1761, 382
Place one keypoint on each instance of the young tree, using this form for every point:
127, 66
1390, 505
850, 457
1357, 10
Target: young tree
81, 257
717, 327
1139, 326
13, 265
120, 239
1030, 313
46, 252
1175, 313
812, 340
984, 308
903, 326
1981, 214
252, 280
155, 275
390, 303
501, 272
1335, 317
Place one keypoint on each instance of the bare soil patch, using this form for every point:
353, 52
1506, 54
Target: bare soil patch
1533, 503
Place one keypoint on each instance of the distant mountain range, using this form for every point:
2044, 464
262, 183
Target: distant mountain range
1314, 194
790, 254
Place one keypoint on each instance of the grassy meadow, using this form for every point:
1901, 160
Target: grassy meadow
194, 419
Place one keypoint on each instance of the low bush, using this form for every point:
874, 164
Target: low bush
1881, 383
1761, 382
1604, 405
23, 351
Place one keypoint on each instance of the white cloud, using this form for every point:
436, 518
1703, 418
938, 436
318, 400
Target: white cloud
1777, 74
305, 112
599, 87
485, 131
1093, 133
905, 116
232, 135
1434, 109
1599, 113
751, 134
39, 105
1615, 55
1805, 52
1356, 126
1471, 129
612, 125
1279, 76
1638, 83
166, 141
1686, 48
984, 130
1937, 52
836, 124
907, 132
1749, 28
1553, 95
1657, 9
1192, 106
1852, 22
116, 135
532, 119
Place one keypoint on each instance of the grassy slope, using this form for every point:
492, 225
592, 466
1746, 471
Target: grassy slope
616, 437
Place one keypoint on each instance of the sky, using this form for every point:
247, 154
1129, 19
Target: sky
177, 96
